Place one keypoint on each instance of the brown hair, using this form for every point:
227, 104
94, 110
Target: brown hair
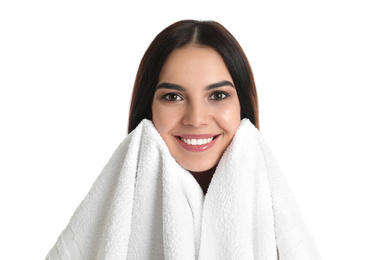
198, 33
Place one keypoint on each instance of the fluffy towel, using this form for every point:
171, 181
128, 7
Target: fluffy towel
144, 205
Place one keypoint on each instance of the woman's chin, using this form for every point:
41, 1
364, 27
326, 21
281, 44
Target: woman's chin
198, 168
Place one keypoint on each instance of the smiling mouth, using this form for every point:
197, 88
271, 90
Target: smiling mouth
197, 141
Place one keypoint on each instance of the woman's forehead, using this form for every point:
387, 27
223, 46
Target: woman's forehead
194, 64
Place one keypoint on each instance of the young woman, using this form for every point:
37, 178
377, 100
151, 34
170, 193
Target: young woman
193, 179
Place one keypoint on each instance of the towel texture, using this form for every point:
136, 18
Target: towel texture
144, 205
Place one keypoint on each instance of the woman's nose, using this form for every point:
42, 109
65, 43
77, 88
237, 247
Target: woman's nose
196, 115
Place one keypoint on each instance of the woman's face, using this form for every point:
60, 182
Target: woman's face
195, 107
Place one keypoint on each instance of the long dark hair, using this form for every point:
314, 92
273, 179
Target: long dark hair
198, 33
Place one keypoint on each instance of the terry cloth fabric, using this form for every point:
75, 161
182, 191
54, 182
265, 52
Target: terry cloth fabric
144, 205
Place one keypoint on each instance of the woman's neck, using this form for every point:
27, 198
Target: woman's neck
204, 178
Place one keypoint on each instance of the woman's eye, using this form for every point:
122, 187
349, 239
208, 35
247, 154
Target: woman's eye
172, 97
219, 95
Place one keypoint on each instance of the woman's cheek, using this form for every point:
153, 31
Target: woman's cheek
227, 116
165, 117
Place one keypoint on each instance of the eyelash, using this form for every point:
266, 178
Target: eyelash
226, 95
168, 96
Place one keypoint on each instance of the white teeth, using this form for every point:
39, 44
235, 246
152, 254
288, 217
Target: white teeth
197, 141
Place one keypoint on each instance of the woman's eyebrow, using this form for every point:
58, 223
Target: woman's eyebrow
170, 86
220, 84
180, 88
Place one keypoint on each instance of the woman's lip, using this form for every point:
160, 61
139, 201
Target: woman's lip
196, 136
197, 148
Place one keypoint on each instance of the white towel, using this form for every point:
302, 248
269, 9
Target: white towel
144, 205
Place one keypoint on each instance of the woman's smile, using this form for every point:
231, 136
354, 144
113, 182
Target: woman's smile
197, 143
195, 107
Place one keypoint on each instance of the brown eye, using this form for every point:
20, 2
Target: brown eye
219, 95
172, 97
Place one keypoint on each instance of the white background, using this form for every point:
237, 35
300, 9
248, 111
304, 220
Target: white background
322, 70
